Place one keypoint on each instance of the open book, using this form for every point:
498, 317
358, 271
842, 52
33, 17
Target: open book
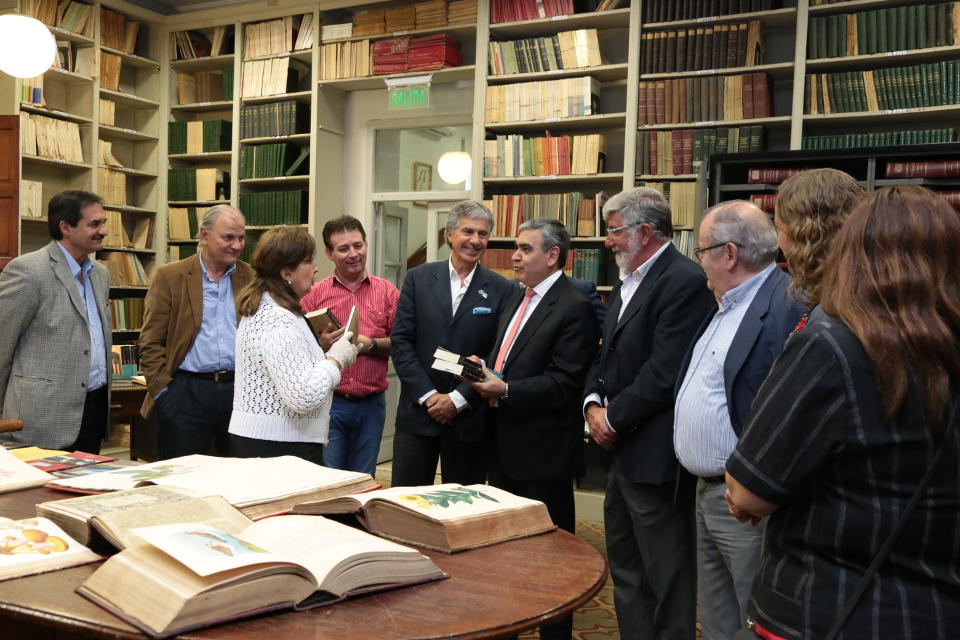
15, 474
189, 576
36, 545
458, 365
257, 486
446, 517
112, 515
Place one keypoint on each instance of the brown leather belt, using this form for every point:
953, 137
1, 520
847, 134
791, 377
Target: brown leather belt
216, 376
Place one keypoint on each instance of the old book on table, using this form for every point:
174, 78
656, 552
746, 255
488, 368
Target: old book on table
257, 486
190, 576
67, 461
458, 365
15, 474
446, 517
37, 545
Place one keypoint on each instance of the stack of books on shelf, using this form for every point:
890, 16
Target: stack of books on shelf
112, 186
369, 22
400, 19
919, 85
274, 207
273, 160
683, 241
110, 71
199, 136
390, 55
682, 151
682, 197
575, 210
108, 112
50, 138
271, 77
336, 31
565, 50
31, 199
67, 14
273, 119
433, 52
127, 314
513, 10
197, 185
340, 60
715, 47
123, 361
46, 11
518, 155
922, 169
271, 37
704, 99
431, 14
203, 86
880, 30
672, 10
462, 12
189, 45
543, 100
125, 269
183, 223
304, 33
879, 139
117, 32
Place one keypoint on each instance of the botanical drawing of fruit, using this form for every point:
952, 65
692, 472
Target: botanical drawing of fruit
444, 498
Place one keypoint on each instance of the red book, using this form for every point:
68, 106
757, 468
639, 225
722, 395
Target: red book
761, 96
747, 95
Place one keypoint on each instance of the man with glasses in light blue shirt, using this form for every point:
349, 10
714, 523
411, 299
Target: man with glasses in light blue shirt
719, 378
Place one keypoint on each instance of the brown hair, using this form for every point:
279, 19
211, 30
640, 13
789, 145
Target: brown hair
279, 248
341, 225
893, 278
811, 207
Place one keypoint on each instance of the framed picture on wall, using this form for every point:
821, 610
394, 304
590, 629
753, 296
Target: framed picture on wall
422, 180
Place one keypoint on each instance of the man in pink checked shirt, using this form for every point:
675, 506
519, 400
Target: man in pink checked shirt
359, 408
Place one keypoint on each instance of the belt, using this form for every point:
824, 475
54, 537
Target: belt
351, 397
714, 479
216, 376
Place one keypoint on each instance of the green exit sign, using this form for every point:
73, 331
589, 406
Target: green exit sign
414, 96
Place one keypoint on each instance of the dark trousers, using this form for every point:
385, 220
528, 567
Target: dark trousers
415, 460
191, 414
558, 496
651, 545
93, 424
241, 447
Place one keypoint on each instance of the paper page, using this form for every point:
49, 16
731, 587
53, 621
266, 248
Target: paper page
212, 511
35, 453
14, 471
127, 478
33, 541
98, 505
204, 549
449, 501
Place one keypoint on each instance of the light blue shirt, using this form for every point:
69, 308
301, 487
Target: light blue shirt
97, 376
213, 348
703, 436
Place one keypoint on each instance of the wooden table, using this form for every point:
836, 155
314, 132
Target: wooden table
493, 592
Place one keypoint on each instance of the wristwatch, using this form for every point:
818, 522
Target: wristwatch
374, 347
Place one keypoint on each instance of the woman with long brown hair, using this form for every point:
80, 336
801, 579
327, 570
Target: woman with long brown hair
852, 416
284, 381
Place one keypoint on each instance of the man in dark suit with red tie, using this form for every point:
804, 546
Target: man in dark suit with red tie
546, 340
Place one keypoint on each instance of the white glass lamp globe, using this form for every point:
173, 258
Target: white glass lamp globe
454, 166
27, 47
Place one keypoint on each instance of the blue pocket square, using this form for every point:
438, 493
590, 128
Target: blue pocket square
481, 311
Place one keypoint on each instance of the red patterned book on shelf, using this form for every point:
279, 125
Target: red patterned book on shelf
770, 176
924, 169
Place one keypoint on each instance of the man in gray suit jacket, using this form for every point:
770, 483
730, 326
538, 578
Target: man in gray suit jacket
55, 343
724, 367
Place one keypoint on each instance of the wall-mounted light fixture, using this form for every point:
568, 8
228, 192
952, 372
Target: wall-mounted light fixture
27, 47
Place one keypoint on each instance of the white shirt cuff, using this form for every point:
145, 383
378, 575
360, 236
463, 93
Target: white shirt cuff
458, 400
424, 397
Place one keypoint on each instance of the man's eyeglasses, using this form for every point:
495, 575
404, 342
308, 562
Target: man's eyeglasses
615, 231
701, 250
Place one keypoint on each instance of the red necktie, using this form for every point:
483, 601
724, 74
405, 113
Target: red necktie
512, 332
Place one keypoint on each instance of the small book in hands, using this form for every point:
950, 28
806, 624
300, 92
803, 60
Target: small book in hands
445, 517
458, 365
320, 319
186, 576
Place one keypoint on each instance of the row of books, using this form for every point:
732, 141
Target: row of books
671, 10
272, 77
923, 169
513, 10
198, 136
683, 240
879, 30
182, 251
31, 199
80, 60
50, 138
722, 45
110, 66
879, 139
340, 60
768, 201
66, 14
738, 97
565, 50
118, 238
117, 32
112, 186
519, 155
127, 313
274, 207
205, 86
108, 111
183, 223
500, 261
124, 363
542, 100
191, 44
422, 15
125, 269
271, 119
575, 210
682, 198
31, 91
682, 151
919, 85
273, 160
193, 185
271, 37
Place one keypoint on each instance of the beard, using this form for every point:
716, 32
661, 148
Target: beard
624, 258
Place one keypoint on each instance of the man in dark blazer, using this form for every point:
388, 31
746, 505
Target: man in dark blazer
546, 341
723, 369
589, 291
652, 316
454, 304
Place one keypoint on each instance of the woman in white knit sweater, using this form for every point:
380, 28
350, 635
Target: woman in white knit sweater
284, 381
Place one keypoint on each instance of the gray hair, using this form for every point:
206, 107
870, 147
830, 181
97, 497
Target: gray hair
747, 226
211, 215
468, 209
553, 234
642, 205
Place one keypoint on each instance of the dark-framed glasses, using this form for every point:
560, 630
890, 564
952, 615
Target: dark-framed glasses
701, 250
